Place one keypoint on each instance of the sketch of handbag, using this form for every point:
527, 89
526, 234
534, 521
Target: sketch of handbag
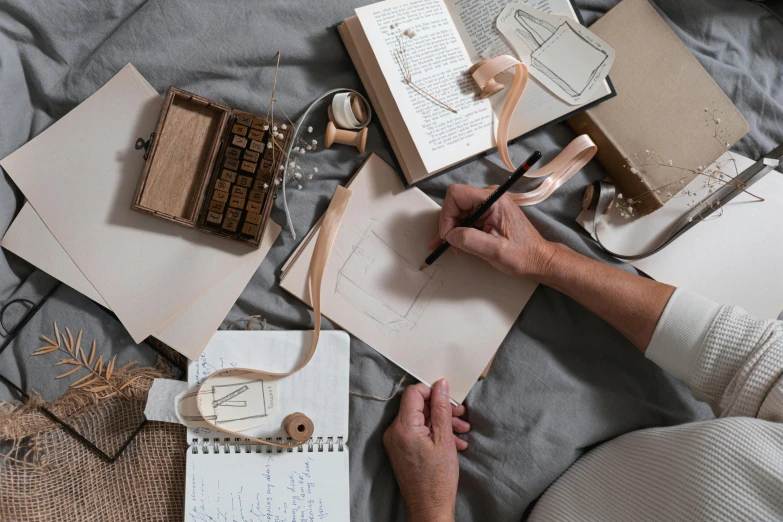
549, 43
385, 286
227, 403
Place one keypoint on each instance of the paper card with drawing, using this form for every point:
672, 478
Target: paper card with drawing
564, 56
445, 321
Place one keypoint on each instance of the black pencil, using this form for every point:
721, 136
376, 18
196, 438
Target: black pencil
481, 209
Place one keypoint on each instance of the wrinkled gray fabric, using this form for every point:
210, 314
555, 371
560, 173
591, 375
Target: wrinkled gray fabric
563, 380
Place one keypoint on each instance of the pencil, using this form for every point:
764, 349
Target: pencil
481, 209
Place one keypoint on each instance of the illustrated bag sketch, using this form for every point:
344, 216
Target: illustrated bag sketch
548, 43
445, 321
359, 282
236, 479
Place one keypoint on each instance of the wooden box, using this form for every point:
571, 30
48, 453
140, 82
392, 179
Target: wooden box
211, 168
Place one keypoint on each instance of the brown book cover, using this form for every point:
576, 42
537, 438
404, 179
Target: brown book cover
663, 92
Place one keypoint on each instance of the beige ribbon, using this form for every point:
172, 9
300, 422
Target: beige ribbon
296, 424
559, 170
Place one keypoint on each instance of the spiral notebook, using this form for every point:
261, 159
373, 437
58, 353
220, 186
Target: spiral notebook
234, 479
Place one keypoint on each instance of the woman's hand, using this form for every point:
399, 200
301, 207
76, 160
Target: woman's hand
503, 235
422, 448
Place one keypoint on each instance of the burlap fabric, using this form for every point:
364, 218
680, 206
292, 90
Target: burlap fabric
48, 475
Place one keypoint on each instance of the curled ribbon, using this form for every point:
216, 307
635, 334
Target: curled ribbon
297, 425
559, 170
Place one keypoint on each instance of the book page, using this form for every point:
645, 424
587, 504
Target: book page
267, 486
319, 390
437, 62
476, 25
445, 321
475, 21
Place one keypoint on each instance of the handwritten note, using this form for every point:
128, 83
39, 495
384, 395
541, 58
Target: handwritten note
272, 487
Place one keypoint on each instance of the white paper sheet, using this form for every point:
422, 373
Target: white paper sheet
319, 390
734, 259
447, 321
80, 176
305, 486
189, 332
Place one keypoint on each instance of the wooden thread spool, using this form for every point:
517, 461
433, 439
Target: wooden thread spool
299, 427
492, 87
357, 139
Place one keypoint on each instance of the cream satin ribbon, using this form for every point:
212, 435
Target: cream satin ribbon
566, 164
323, 246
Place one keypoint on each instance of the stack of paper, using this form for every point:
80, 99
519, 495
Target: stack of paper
79, 177
733, 257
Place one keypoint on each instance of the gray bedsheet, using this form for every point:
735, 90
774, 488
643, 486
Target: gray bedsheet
562, 382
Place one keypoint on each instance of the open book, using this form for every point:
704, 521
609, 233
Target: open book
235, 479
449, 37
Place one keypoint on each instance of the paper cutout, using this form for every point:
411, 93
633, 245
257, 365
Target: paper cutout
161, 400
564, 56
238, 401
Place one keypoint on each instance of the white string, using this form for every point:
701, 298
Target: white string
297, 128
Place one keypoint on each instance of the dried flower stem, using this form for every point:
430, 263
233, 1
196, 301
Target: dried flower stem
401, 53
80, 360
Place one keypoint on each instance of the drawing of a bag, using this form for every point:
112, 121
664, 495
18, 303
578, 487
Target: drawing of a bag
549, 42
383, 285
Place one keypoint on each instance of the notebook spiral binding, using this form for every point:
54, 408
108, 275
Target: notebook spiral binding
237, 445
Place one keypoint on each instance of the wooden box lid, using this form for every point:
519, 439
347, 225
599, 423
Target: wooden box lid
181, 157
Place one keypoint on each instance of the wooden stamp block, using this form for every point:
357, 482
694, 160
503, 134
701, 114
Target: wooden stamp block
252, 206
233, 153
256, 134
244, 119
251, 156
239, 141
237, 202
254, 218
266, 165
228, 175
239, 129
248, 166
214, 217
223, 185
245, 181
256, 146
256, 196
230, 225
233, 213
258, 123
259, 185
219, 195
217, 206
231, 164
240, 192
250, 229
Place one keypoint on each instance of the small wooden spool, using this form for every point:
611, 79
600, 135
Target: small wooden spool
492, 87
334, 135
299, 427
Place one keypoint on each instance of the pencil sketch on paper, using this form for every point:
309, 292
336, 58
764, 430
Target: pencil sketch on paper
564, 56
384, 285
233, 401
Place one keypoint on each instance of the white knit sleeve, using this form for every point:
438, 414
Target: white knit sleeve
729, 359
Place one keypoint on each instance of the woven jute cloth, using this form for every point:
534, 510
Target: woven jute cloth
46, 474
